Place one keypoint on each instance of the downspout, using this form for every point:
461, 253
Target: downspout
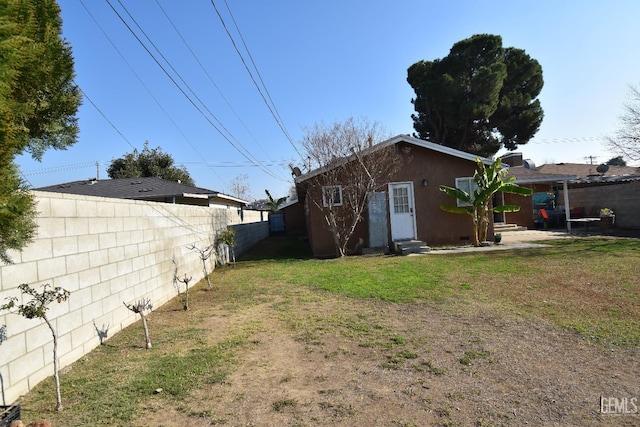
567, 210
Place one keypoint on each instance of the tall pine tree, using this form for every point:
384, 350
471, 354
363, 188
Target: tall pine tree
479, 98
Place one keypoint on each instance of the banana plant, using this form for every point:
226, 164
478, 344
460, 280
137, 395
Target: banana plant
274, 204
477, 203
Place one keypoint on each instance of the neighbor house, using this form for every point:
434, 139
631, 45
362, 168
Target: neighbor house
549, 191
148, 188
572, 191
405, 208
602, 186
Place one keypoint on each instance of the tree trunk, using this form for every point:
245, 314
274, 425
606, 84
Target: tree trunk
146, 330
334, 231
206, 273
55, 364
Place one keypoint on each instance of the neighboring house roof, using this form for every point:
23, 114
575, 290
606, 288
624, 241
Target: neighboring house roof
395, 140
290, 202
148, 188
525, 175
587, 171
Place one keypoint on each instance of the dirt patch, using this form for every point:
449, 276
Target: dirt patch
337, 361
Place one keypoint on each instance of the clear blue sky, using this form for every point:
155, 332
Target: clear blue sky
321, 61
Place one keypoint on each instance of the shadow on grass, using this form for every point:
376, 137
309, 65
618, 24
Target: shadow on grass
278, 248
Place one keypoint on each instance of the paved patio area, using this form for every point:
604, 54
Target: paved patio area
532, 238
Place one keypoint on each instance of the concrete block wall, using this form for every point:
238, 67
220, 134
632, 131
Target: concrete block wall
623, 198
248, 235
105, 252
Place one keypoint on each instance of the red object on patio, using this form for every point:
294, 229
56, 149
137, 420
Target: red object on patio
544, 214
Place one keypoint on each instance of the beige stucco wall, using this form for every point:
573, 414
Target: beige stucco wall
106, 252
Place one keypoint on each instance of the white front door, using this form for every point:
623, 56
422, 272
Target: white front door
401, 211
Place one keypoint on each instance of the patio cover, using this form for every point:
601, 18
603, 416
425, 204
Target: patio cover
531, 176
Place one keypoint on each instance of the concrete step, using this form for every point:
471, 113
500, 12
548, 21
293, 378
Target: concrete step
406, 247
500, 227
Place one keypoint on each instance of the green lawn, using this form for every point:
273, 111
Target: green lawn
589, 285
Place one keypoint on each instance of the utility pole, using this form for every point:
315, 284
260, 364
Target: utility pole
591, 159
97, 171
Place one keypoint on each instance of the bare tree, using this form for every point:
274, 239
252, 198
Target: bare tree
205, 254
626, 141
140, 307
37, 308
348, 168
240, 187
186, 281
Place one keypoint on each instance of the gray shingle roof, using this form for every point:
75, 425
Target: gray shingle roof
128, 188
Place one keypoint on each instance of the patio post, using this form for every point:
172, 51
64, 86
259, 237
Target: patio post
567, 209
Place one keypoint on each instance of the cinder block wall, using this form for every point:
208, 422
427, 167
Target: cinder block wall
623, 198
248, 235
105, 252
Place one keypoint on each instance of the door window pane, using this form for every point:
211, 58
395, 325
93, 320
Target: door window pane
401, 200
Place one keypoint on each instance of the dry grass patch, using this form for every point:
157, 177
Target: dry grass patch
506, 338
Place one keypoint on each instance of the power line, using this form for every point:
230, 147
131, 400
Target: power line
202, 67
237, 146
569, 140
107, 119
231, 164
266, 89
141, 81
60, 168
270, 107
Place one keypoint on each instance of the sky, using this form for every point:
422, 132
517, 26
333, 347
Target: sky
186, 89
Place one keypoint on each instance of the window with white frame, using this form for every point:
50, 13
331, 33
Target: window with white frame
468, 185
332, 195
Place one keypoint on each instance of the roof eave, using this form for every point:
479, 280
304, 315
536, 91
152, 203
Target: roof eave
230, 198
395, 140
559, 178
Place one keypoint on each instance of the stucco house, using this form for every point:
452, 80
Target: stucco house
406, 208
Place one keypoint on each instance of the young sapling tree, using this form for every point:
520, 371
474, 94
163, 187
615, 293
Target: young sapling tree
186, 281
37, 308
205, 254
139, 307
